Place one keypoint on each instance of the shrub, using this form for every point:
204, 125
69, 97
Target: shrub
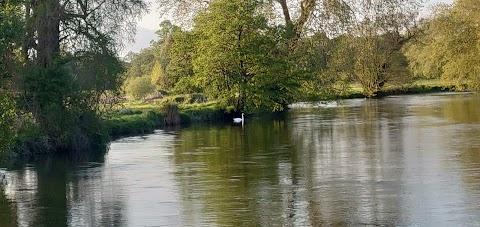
139, 87
8, 114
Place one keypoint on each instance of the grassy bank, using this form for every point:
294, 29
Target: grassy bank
418, 87
136, 117
140, 118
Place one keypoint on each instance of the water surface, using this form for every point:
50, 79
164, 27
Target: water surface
398, 161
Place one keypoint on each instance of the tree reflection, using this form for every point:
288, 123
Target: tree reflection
231, 173
460, 108
54, 191
348, 175
316, 167
8, 217
453, 111
51, 192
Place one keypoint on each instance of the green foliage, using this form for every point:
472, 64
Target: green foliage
133, 124
144, 119
167, 61
204, 112
450, 48
159, 75
11, 30
52, 86
181, 66
139, 87
140, 64
182, 99
61, 109
102, 77
425, 58
317, 67
174, 69
235, 61
8, 132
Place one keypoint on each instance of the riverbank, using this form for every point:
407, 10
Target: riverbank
379, 166
418, 87
144, 117
137, 118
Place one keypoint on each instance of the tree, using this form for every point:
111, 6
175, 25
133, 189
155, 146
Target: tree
186, 10
236, 59
162, 52
139, 87
425, 61
11, 30
377, 32
69, 49
141, 63
449, 49
179, 71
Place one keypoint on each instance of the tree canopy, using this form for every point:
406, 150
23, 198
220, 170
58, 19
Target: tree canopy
449, 48
50, 53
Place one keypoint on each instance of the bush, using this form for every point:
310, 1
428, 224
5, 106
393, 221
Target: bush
186, 99
125, 125
129, 112
139, 87
197, 98
8, 114
205, 113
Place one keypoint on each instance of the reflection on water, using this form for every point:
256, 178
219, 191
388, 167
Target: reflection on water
399, 161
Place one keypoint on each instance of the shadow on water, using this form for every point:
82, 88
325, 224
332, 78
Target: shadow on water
369, 162
230, 173
398, 161
52, 190
294, 169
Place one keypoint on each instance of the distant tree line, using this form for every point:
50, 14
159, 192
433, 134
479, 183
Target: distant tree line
252, 54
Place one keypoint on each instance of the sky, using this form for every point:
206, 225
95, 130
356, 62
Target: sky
149, 24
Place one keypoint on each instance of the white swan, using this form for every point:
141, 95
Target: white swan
238, 120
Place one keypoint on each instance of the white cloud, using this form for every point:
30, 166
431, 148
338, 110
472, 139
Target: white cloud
152, 19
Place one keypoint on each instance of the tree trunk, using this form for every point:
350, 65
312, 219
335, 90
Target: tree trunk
48, 31
286, 12
307, 7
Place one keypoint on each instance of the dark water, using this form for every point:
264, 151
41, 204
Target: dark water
399, 161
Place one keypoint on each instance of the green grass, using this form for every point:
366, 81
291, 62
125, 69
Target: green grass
433, 83
417, 87
133, 124
138, 117
204, 112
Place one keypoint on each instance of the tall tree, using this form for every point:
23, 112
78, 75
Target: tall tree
377, 31
178, 74
162, 52
70, 49
186, 10
11, 30
450, 48
236, 57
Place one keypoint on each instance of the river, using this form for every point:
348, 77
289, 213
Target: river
398, 161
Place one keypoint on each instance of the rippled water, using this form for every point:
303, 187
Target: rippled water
399, 161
